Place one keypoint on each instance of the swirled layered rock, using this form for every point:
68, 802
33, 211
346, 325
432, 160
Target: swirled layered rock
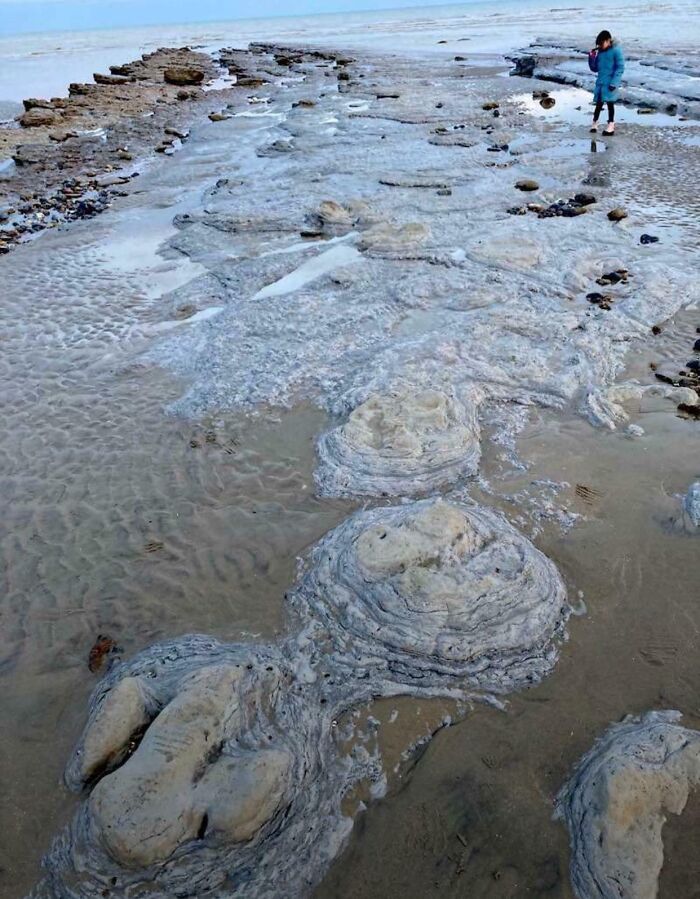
401, 443
616, 801
434, 594
207, 763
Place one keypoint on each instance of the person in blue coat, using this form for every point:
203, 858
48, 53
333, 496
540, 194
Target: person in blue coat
607, 60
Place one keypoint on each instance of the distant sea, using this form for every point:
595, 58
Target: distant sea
44, 64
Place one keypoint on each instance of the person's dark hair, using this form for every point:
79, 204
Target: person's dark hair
603, 36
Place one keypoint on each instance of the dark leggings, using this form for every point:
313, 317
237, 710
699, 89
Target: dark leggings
599, 108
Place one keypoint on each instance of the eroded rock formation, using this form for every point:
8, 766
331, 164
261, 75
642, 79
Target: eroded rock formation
401, 443
432, 595
617, 799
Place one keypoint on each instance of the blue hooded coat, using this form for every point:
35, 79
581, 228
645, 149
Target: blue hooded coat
609, 65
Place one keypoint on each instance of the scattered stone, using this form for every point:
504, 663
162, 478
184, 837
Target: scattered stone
696, 346
669, 374
61, 136
648, 238
181, 133
602, 300
517, 210
182, 75
617, 799
304, 103
539, 94
492, 104
547, 102
621, 275
124, 155
101, 648
527, 184
218, 116
460, 58
585, 199
444, 192
617, 214
387, 96
645, 110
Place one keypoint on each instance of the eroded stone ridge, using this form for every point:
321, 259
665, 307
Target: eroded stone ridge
435, 594
401, 443
616, 801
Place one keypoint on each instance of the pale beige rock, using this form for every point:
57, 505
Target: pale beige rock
123, 713
181, 781
616, 802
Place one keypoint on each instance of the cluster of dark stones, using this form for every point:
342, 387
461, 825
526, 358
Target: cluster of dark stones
576, 205
75, 199
605, 300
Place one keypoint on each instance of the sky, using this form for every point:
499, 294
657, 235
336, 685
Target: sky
21, 16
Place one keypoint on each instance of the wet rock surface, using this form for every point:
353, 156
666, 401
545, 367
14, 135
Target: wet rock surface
652, 80
617, 800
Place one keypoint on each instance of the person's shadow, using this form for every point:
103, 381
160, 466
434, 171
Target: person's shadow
599, 165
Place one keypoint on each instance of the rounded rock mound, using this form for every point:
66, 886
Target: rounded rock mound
615, 803
205, 764
433, 595
401, 443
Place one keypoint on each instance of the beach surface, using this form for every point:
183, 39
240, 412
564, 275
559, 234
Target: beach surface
374, 271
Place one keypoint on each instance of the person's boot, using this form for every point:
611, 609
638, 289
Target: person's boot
594, 128
610, 129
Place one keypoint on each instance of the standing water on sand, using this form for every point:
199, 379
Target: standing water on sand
351, 460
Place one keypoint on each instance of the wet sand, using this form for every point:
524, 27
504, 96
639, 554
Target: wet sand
127, 520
